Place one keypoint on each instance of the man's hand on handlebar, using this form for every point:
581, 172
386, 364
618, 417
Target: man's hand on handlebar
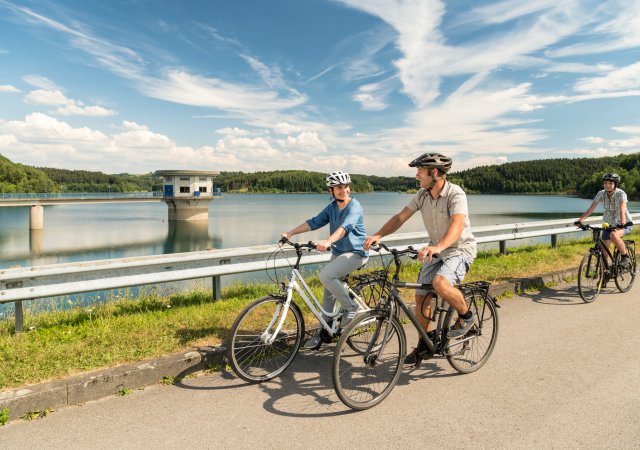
371, 240
428, 252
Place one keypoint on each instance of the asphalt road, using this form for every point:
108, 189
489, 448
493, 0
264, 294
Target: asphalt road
564, 374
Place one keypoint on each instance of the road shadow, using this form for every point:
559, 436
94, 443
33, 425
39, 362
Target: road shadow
564, 295
306, 389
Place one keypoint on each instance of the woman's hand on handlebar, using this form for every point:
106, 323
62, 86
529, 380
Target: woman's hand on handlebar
323, 245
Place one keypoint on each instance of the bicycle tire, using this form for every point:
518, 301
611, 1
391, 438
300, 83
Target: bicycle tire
472, 351
590, 277
359, 384
625, 277
249, 356
370, 292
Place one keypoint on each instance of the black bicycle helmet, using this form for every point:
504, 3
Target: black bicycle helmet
611, 177
432, 160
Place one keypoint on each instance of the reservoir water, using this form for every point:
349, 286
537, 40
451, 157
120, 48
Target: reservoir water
116, 230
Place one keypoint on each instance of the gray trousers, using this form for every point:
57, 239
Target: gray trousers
331, 277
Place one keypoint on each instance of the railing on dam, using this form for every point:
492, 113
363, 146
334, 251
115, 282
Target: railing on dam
39, 282
76, 195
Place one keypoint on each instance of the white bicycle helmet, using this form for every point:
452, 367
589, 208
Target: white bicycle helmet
338, 177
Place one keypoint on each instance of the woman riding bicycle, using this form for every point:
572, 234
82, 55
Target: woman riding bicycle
345, 217
614, 200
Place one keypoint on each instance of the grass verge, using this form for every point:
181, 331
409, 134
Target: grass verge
64, 343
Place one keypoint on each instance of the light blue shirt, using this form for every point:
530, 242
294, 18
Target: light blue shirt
351, 218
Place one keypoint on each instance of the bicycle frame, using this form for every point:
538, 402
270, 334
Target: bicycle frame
437, 316
436, 313
298, 285
601, 249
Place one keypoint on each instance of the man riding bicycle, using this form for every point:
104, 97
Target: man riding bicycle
452, 247
345, 217
616, 214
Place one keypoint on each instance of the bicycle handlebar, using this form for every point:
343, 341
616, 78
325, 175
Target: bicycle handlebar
298, 245
605, 226
379, 246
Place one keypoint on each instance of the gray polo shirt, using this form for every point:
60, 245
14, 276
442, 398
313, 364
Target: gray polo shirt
436, 215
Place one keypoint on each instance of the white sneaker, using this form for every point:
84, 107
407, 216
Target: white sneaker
314, 342
347, 317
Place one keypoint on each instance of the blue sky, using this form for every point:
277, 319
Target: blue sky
358, 85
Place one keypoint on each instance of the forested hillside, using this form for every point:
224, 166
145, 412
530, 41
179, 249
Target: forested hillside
580, 176
21, 178
85, 181
284, 181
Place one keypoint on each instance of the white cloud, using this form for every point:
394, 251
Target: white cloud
7, 88
184, 88
478, 162
234, 131
6, 140
628, 129
505, 11
626, 78
40, 82
286, 128
370, 97
39, 127
628, 144
593, 140
617, 28
66, 106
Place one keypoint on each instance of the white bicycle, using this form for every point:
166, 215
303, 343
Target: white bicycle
267, 334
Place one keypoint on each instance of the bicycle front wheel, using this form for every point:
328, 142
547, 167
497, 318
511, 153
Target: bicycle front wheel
470, 352
625, 276
364, 379
590, 277
251, 354
371, 292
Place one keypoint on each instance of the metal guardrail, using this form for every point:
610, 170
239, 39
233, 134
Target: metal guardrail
29, 283
77, 195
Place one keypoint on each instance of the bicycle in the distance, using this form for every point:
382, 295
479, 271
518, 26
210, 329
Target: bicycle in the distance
267, 334
370, 353
599, 265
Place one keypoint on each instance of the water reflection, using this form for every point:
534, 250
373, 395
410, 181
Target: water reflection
189, 237
36, 242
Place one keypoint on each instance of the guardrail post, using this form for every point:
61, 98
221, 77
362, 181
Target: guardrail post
554, 240
215, 287
19, 317
503, 247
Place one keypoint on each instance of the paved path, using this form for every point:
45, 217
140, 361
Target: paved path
564, 374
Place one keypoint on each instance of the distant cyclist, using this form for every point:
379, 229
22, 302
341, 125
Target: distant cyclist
346, 241
451, 248
614, 201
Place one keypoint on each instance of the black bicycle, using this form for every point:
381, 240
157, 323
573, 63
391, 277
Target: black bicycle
599, 265
370, 353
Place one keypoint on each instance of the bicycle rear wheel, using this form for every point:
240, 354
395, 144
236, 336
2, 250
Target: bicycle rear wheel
251, 357
364, 379
625, 276
590, 276
371, 290
473, 350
